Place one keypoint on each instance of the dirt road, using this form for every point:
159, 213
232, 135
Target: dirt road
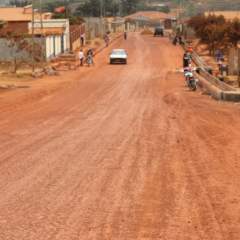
119, 152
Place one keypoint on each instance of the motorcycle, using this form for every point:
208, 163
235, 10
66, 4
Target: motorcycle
190, 80
89, 60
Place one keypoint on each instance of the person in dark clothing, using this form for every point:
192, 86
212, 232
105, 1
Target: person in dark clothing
175, 40
125, 35
185, 62
180, 40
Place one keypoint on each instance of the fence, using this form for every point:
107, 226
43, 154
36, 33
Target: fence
75, 39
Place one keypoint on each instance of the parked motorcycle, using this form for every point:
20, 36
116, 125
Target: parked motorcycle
190, 80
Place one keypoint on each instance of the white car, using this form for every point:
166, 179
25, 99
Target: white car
118, 55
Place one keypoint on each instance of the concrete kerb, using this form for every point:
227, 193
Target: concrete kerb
213, 88
231, 96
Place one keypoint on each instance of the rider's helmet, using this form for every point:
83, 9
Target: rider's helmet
89, 49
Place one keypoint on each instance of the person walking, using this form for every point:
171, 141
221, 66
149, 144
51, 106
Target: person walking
125, 35
82, 38
106, 40
80, 54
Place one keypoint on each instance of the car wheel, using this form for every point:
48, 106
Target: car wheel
110, 61
125, 61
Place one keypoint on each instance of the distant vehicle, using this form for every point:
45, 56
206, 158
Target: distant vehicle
158, 31
118, 55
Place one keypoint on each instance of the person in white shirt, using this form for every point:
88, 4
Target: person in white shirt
80, 54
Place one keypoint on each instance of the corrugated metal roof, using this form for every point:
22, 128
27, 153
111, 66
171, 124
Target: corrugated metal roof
151, 15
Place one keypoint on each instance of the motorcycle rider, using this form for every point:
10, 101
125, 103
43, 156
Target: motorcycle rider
90, 54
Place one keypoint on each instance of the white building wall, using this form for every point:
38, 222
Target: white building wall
51, 50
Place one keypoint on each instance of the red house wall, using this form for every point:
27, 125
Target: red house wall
17, 26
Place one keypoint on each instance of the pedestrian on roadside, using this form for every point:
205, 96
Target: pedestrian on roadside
106, 40
216, 54
219, 64
175, 40
82, 38
185, 62
189, 58
80, 54
180, 40
125, 35
190, 49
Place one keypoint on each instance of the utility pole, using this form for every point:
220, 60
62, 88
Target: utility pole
101, 11
179, 8
32, 60
42, 45
120, 8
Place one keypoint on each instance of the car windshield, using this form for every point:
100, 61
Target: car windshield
118, 52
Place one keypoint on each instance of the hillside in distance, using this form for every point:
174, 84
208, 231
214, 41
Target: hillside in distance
193, 7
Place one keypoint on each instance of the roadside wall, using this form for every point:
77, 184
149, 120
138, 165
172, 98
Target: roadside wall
95, 27
75, 39
188, 32
5, 54
53, 45
151, 23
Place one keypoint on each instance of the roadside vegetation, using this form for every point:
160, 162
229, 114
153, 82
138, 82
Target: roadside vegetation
216, 31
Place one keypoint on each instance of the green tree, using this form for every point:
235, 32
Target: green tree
89, 8
19, 3
73, 20
165, 9
130, 6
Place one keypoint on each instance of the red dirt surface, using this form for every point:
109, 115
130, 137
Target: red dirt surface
119, 152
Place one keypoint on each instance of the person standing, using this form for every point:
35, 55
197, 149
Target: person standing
82, 38
106, 40
219, 59
80, 54
216, 54
125, 35
189, 58
185, 62
175, 40
190, 49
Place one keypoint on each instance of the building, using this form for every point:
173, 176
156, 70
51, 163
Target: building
56, 33
18, 18
153, 19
